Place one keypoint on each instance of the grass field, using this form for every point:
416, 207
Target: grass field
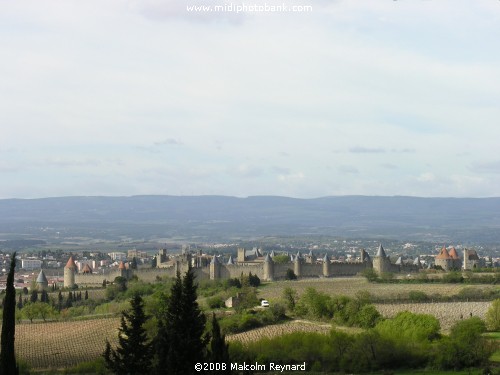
63, 344
349, 286
448, 313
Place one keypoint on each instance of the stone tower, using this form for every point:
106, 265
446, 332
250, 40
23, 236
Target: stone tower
241, 255
268, 268
122, 269
381, 263
214, 268
69, 273
326, 266
297, 265
41, 281
444, 259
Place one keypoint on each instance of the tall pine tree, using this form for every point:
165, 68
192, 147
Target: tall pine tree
219, 349
8, 365
133, 354
180, 342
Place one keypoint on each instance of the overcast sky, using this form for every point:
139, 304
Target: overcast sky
354, 97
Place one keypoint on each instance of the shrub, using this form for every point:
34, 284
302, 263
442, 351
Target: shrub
215, 302
493, 316
418, 296
370, 274
281, 259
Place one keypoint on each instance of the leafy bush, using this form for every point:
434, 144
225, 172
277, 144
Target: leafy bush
370, 274
418, 296
93, 367
281, 259
215, 302
493, 316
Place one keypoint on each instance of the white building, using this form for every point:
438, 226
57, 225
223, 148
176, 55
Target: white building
31, 264
117, 256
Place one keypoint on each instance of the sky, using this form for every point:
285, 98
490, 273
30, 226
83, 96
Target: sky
339, 97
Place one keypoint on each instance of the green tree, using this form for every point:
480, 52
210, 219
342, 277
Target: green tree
133, 263
281, 259
219, 349
8, 364
180, 342
465, 347
493, 316
370, 274
290, 296
34, 296
30, 311
290, 275
134, 352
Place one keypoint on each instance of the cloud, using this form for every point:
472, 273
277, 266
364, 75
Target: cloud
366, 150
389, 166
485, 167
426, 177
403, 150
169, 142
348, 169
281, 170
291, 177
245, 170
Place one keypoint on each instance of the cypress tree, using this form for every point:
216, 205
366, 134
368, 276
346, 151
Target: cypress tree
219, 349
133, 354
60, 299
180, 342
8, 365
133, 264
34, 296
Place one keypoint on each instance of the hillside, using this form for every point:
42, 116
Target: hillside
219, 217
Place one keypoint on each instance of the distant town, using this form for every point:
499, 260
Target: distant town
95, 262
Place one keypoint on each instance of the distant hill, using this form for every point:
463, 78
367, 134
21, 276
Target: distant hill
220, 217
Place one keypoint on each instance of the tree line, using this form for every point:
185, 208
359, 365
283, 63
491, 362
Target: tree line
181, 340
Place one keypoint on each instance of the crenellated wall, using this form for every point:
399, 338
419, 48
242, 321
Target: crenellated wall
266, 270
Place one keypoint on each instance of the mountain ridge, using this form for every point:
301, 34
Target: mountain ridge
219, 216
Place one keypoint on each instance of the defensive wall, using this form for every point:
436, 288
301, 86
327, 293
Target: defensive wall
264, 268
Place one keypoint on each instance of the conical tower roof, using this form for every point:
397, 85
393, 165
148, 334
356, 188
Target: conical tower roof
86, 268
453, 253
121, 266
42, 279
381, 252
230, 260
443, 254
267, 259
214, 260
399, 261
325, 258
71, 263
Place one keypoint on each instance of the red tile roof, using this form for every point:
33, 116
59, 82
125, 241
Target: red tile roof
443, 254
71, 263
453, 253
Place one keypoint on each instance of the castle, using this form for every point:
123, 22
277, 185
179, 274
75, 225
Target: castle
264, 266
254, 261
449, 260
